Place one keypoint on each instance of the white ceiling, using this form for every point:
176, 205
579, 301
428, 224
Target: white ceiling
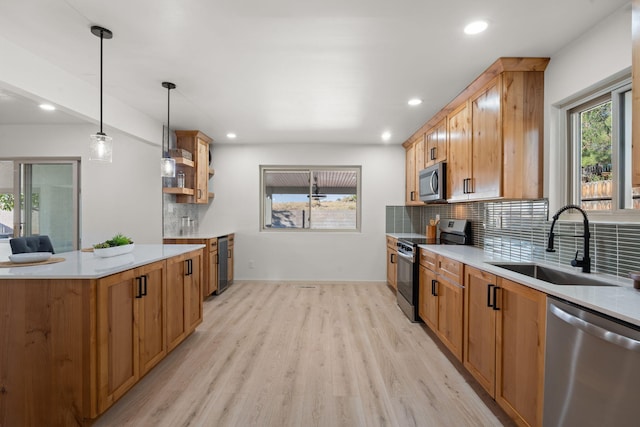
291, 71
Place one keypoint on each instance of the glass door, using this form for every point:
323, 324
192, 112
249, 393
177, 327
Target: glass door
47, 191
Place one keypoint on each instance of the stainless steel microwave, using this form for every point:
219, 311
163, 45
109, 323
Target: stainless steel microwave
433, 183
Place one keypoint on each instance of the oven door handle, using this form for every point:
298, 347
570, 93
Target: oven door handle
405, 256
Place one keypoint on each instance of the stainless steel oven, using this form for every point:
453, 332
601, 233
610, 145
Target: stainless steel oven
407, 277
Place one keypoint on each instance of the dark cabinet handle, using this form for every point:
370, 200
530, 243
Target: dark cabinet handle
199, 194
217, 259
489, 286
392, 258
139, 286
413, 197
144, 285
189, 266
229, 253
433, 153
495, 298
433, 288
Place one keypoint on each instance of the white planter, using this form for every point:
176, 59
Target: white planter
113, 251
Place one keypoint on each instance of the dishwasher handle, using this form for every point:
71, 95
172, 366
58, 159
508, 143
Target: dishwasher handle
597, 331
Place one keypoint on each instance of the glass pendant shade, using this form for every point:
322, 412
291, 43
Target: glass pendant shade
101, 148
168, 167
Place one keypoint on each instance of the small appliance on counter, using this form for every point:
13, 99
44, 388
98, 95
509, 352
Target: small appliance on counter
452, 232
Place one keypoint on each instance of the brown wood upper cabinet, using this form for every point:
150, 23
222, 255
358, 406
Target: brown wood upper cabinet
436, 144
415, 162
494, 134
196, 177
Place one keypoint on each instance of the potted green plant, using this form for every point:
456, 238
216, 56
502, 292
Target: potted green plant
117, 245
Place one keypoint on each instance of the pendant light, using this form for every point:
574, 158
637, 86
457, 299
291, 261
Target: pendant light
167, 164
101, 148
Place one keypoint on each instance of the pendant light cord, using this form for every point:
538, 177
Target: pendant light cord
101, 39
168, 115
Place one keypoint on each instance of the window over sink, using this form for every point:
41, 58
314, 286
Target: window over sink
310, 198
598, 135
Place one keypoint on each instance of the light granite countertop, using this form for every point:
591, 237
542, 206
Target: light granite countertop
621, 301
86, 265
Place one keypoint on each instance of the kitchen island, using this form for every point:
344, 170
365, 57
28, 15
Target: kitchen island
77, 335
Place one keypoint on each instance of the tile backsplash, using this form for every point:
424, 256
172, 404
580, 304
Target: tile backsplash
519, 230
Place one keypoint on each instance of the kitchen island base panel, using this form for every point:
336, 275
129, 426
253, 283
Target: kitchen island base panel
45, 357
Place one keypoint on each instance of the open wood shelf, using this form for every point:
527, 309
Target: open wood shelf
211, 196
184, 161
178, 190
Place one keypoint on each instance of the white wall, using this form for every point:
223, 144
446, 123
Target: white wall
305, 256
124, 196
597, 55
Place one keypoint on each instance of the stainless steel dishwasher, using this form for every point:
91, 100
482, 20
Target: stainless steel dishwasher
592, 368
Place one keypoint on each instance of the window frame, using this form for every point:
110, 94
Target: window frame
310, 169
569, 179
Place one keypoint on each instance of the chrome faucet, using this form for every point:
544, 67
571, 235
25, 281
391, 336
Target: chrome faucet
585, 262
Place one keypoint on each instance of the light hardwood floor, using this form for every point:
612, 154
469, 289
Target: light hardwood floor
287, 354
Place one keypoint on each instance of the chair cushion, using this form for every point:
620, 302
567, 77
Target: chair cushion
21, 245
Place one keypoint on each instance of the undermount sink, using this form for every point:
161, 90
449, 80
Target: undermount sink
551, 275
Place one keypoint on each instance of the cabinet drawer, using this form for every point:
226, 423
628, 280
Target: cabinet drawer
213, 245
428, 259
392, 242
451, 269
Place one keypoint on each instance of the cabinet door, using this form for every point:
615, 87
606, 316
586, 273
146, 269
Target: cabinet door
151, 330
202, 171
480, 327
392, 267
450, 316
436, 143
427, 301
410, 171
459, 157
441, 141
118, 368
486, 125
212, 282
176, 304
521, 332
193, 291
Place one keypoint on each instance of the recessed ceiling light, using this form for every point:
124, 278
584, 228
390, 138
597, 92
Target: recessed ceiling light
476, 27
47, 107
231, 135
415, 101
386, 136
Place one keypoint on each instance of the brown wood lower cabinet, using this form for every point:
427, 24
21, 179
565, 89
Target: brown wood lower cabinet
69, 348
505, 326
441, 299
392, 262
131, 333
184, 296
